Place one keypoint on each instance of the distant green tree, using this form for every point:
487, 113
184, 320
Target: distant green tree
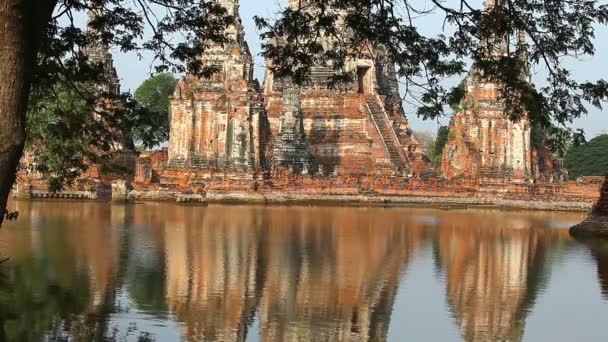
435, 148
589, 159
69, 128
443, 134
456, 95
154, 95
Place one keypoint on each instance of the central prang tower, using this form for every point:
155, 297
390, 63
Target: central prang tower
353, 129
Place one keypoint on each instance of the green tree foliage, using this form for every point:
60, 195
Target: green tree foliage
589, 159
69, 128
442, 138
153, 94
554, 34
437, 150
456, 96
434, 149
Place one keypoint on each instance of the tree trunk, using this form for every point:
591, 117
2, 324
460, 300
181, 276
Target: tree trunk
601, 208
21, 31
596, 225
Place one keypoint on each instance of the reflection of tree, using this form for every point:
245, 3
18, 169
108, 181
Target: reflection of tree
494, 272
147, 286
599, 252
145, 276
45, 284
30, 302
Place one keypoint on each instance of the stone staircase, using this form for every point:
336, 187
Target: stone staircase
489, 172
391, 142
177, 163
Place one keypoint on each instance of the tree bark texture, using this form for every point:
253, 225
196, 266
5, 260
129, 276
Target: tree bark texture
601, 208
596, 225
21, 31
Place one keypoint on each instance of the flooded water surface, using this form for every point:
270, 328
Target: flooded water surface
161, 272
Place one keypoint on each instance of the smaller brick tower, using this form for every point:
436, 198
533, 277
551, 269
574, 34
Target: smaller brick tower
100, 54
214, 122
483, 140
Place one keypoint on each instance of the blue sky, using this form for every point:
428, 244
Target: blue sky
133, 71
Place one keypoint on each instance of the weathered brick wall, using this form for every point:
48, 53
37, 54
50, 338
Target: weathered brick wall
97, 176
340, 136
143, 171
586, 191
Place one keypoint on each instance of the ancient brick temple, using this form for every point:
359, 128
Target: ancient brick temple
214, 122
225, 123
483, 141
356, 128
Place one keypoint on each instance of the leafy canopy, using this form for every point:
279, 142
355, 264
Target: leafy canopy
329, 32
68, 130
153, 94
590, 159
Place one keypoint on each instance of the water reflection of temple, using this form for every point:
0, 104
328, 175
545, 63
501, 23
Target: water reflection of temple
305, 274
214, 273
333, 274
494, 267
311, 274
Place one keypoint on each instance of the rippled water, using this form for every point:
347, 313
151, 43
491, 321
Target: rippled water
161, 272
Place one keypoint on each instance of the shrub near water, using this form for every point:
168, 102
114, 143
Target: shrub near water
590, 159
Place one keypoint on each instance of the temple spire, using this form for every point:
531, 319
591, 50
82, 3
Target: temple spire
489, 4
231, 6
99, 52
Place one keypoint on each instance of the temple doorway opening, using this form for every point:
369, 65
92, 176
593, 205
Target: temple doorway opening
363, 79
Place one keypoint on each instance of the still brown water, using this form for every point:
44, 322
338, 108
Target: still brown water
161, 272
